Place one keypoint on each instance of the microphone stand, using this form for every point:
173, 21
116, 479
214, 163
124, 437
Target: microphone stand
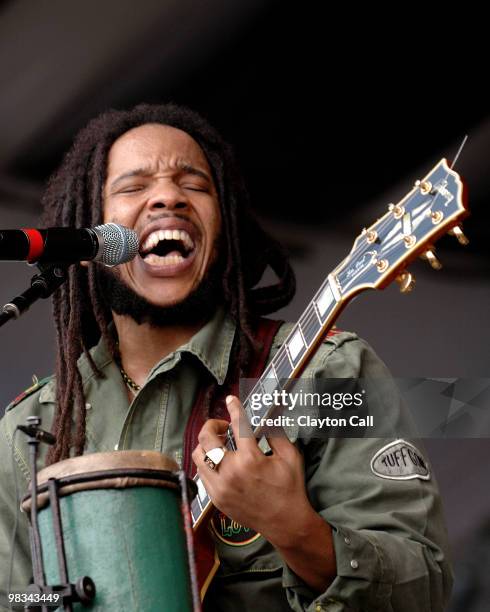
43, 285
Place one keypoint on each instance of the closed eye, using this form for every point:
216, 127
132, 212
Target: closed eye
132, 189
195, 188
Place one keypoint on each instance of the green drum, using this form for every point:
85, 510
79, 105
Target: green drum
122, 526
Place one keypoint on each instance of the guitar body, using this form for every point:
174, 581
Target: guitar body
207, 561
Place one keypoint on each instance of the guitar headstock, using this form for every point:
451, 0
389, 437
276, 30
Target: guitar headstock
433, 207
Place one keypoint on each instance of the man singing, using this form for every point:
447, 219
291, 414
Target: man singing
145, 346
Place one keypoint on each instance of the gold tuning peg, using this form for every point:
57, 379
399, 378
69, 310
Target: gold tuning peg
406, 282
429, 255
458, 233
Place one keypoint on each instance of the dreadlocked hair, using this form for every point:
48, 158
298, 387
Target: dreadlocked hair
74, 197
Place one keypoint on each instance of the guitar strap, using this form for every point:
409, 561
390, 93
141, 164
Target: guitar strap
265, 332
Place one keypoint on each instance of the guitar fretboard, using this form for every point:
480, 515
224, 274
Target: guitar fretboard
286, 364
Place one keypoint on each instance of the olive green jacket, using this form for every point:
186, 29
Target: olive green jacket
389, 535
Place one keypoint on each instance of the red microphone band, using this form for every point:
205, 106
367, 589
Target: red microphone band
36, 244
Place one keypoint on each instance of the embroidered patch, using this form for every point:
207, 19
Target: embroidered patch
230, 532
400, 460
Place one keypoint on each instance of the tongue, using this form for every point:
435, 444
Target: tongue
174, 252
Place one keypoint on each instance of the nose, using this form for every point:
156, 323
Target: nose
169, 205
169, 198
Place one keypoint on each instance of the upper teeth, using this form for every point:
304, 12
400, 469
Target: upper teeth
155, 237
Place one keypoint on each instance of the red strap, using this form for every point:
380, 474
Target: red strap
265, 333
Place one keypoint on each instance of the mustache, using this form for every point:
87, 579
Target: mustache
166, 215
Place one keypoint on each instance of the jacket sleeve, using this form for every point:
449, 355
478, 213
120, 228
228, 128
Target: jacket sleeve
389, 535
21, 571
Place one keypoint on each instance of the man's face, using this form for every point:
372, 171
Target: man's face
159, 183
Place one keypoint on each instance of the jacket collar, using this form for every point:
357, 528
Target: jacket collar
211, 345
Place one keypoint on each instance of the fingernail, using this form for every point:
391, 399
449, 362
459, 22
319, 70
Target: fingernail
229, 399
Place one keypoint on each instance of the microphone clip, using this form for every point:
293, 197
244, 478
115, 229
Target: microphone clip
35, 433
43, 285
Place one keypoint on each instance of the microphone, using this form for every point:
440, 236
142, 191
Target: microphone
111, 244
39, 434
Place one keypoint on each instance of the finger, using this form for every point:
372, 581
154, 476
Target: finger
213, 434
242, 431
198, 455
280, 443
207, 476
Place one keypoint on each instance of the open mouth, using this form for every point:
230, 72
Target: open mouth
167, 247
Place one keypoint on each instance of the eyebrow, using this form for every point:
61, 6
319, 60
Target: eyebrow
181, 166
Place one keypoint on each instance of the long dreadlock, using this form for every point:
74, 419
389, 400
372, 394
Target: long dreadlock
74, 198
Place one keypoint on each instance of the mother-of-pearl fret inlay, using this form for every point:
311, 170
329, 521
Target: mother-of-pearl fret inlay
296, 344
269, 380
201, 491
324, 300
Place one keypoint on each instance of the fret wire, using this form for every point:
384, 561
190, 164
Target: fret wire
230, 440
310, 334
198, 499
315, 308
302, 334
195, 508
312, 325
306, 322
309, 311
304, 319
282, 363
276, 377
310, 322
278, 359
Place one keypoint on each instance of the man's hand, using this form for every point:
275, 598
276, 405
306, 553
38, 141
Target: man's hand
267, 493
264, 493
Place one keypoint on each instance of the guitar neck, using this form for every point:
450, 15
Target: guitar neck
287, 363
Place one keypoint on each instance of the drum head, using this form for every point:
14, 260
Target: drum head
118, 469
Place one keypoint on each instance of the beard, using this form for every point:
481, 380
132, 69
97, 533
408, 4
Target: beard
197, 307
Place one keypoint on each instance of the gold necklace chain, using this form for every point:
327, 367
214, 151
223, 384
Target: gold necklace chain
129, 381
125, 376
